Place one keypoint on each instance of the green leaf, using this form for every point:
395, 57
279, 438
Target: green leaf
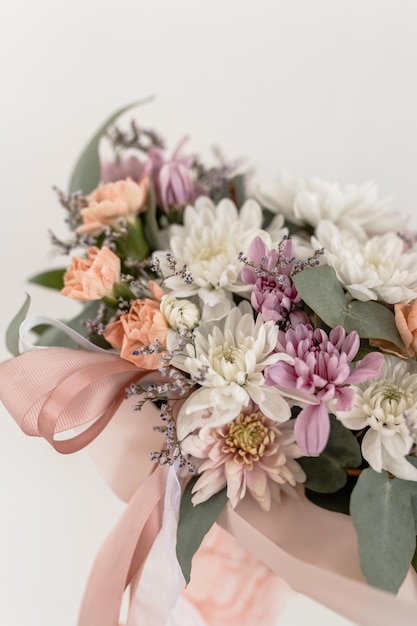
338, 501
194, 522
151, 223
12, 332
323, 293
86, 174
135, 245
326, 473
343, 445
414, 559
382, 514
54, 279
238, 189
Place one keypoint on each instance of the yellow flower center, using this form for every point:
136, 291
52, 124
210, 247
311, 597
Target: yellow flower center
248, 438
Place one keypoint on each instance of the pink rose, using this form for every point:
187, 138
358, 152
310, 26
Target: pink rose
92, 278
143, 326
406, 321
112, 203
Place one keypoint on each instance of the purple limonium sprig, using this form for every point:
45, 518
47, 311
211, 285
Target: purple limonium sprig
322, 370
273, 292
173, 177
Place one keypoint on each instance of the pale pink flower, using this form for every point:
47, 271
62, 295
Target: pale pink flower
273, 292
92, 277
131, 167
406, 322
246, 454
321, 370
173, 179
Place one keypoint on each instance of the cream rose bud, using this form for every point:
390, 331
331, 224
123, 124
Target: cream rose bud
180, 313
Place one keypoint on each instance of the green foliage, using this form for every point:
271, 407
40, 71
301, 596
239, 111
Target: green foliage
194, 523
324, 294
339, 501
53, 279
12, 332
151, 222
86, 174
235, 191
382, 513
135, 244
326, 473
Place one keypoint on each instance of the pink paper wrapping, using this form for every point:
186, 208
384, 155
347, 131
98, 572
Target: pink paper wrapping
311, 550
56, 390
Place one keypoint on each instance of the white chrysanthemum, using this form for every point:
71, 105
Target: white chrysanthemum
228, 359
309, 201
383, 404
375, 268
179, 313
208, 244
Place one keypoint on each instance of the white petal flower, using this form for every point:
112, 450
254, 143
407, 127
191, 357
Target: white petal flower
179, 313
383, 404
309, 201
209, 243
228, 359
375, 268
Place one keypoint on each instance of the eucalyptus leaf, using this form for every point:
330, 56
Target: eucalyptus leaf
238, 189
338, 501
12, 332
413, 490
54, 279
414, 559
86, 174
194, 523
135, 245
382, 514
343, 445
326, 473
323, 293
151, 223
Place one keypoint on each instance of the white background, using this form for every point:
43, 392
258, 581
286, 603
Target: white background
325, 87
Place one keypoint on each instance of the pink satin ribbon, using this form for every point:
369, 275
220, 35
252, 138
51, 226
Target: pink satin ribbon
58, 389
123, 553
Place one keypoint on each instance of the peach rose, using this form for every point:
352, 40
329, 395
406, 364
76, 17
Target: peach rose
142, 326
406, 321
92, 278
110, 203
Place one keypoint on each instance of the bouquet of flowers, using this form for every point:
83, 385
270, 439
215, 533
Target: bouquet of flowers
273, 326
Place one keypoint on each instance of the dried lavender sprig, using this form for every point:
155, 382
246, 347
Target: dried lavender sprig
312, 261
73, 203
97, 325
135, 137
65, 246
172, 453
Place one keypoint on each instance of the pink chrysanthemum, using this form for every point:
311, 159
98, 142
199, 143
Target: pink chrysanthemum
322, 371
273, 292
252, 453
172, 178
